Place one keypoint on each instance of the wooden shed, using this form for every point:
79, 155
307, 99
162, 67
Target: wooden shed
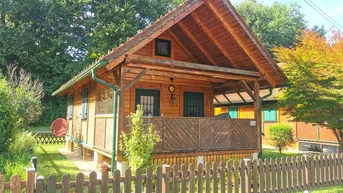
174, 68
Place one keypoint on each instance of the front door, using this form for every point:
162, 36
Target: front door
193, 104
149, 100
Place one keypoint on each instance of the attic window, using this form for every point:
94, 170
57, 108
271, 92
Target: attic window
162, 47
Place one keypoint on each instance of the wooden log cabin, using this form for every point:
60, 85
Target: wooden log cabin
171, 68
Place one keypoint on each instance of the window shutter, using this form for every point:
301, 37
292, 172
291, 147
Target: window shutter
84, 103
270, 115
233, 112
70, 111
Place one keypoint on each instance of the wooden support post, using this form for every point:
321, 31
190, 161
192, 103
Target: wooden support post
257, 111
121, 105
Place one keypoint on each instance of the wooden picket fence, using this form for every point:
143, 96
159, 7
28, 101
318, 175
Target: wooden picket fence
291, 174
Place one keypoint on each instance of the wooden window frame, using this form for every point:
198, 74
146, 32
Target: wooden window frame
170, 55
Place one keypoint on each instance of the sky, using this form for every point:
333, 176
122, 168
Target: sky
333, 8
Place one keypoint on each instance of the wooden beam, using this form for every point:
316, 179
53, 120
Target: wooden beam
215, 98
214, 39
247, 89
238, 40
139, 76
196, 66
226, 84
191, 36
183, 47
239, 94
257, 112
116, 74
121, 107
175, 75
151, 33
195, 72
227, 98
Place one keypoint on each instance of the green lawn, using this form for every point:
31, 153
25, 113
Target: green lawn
269, 153
333, 189
51, 161
40, 128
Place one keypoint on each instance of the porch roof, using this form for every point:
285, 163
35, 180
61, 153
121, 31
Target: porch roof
211, 33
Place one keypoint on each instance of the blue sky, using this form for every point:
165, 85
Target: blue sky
333, 8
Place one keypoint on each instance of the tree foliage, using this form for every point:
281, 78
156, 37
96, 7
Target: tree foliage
7, 116
54, 40
315, 72
275, 25
281, 136
140, 142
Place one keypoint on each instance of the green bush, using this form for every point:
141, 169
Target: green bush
22, 141
7, 116
281, 136
140, 142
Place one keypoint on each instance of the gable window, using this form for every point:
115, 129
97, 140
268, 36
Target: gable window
70, 107
84, 104
270, 115
162, 47
233, 112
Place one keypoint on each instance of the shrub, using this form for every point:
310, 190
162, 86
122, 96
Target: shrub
281, 136
14, 164
22, 141
26, 96
140, 142
7, 116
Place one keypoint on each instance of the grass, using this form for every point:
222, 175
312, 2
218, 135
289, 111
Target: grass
40, 128
332, 189
51, 161
269, 153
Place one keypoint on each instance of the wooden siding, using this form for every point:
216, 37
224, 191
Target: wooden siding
177, 52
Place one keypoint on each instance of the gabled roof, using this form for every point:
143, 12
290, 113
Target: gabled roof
233, 27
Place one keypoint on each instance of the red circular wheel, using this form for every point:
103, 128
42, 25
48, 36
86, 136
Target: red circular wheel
59, 127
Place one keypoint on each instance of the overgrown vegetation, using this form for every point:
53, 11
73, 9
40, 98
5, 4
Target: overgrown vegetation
20, 106
281, 136
140, 142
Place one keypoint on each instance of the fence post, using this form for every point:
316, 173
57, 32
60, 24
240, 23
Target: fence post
34, 161
166, 173
40, 184
30, 180
247, 184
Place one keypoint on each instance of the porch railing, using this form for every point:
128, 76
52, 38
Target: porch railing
195, 134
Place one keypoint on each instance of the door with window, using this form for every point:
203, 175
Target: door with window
149, 100
193, 104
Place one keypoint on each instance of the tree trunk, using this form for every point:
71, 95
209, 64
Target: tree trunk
339, 136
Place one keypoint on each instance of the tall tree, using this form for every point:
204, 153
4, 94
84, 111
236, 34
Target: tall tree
275, 25
315, 72
55, 39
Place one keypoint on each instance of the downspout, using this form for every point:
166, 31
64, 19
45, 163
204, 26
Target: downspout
115, 99
261, 100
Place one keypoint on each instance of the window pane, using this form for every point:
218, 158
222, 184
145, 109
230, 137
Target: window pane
147, 103
162, 47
